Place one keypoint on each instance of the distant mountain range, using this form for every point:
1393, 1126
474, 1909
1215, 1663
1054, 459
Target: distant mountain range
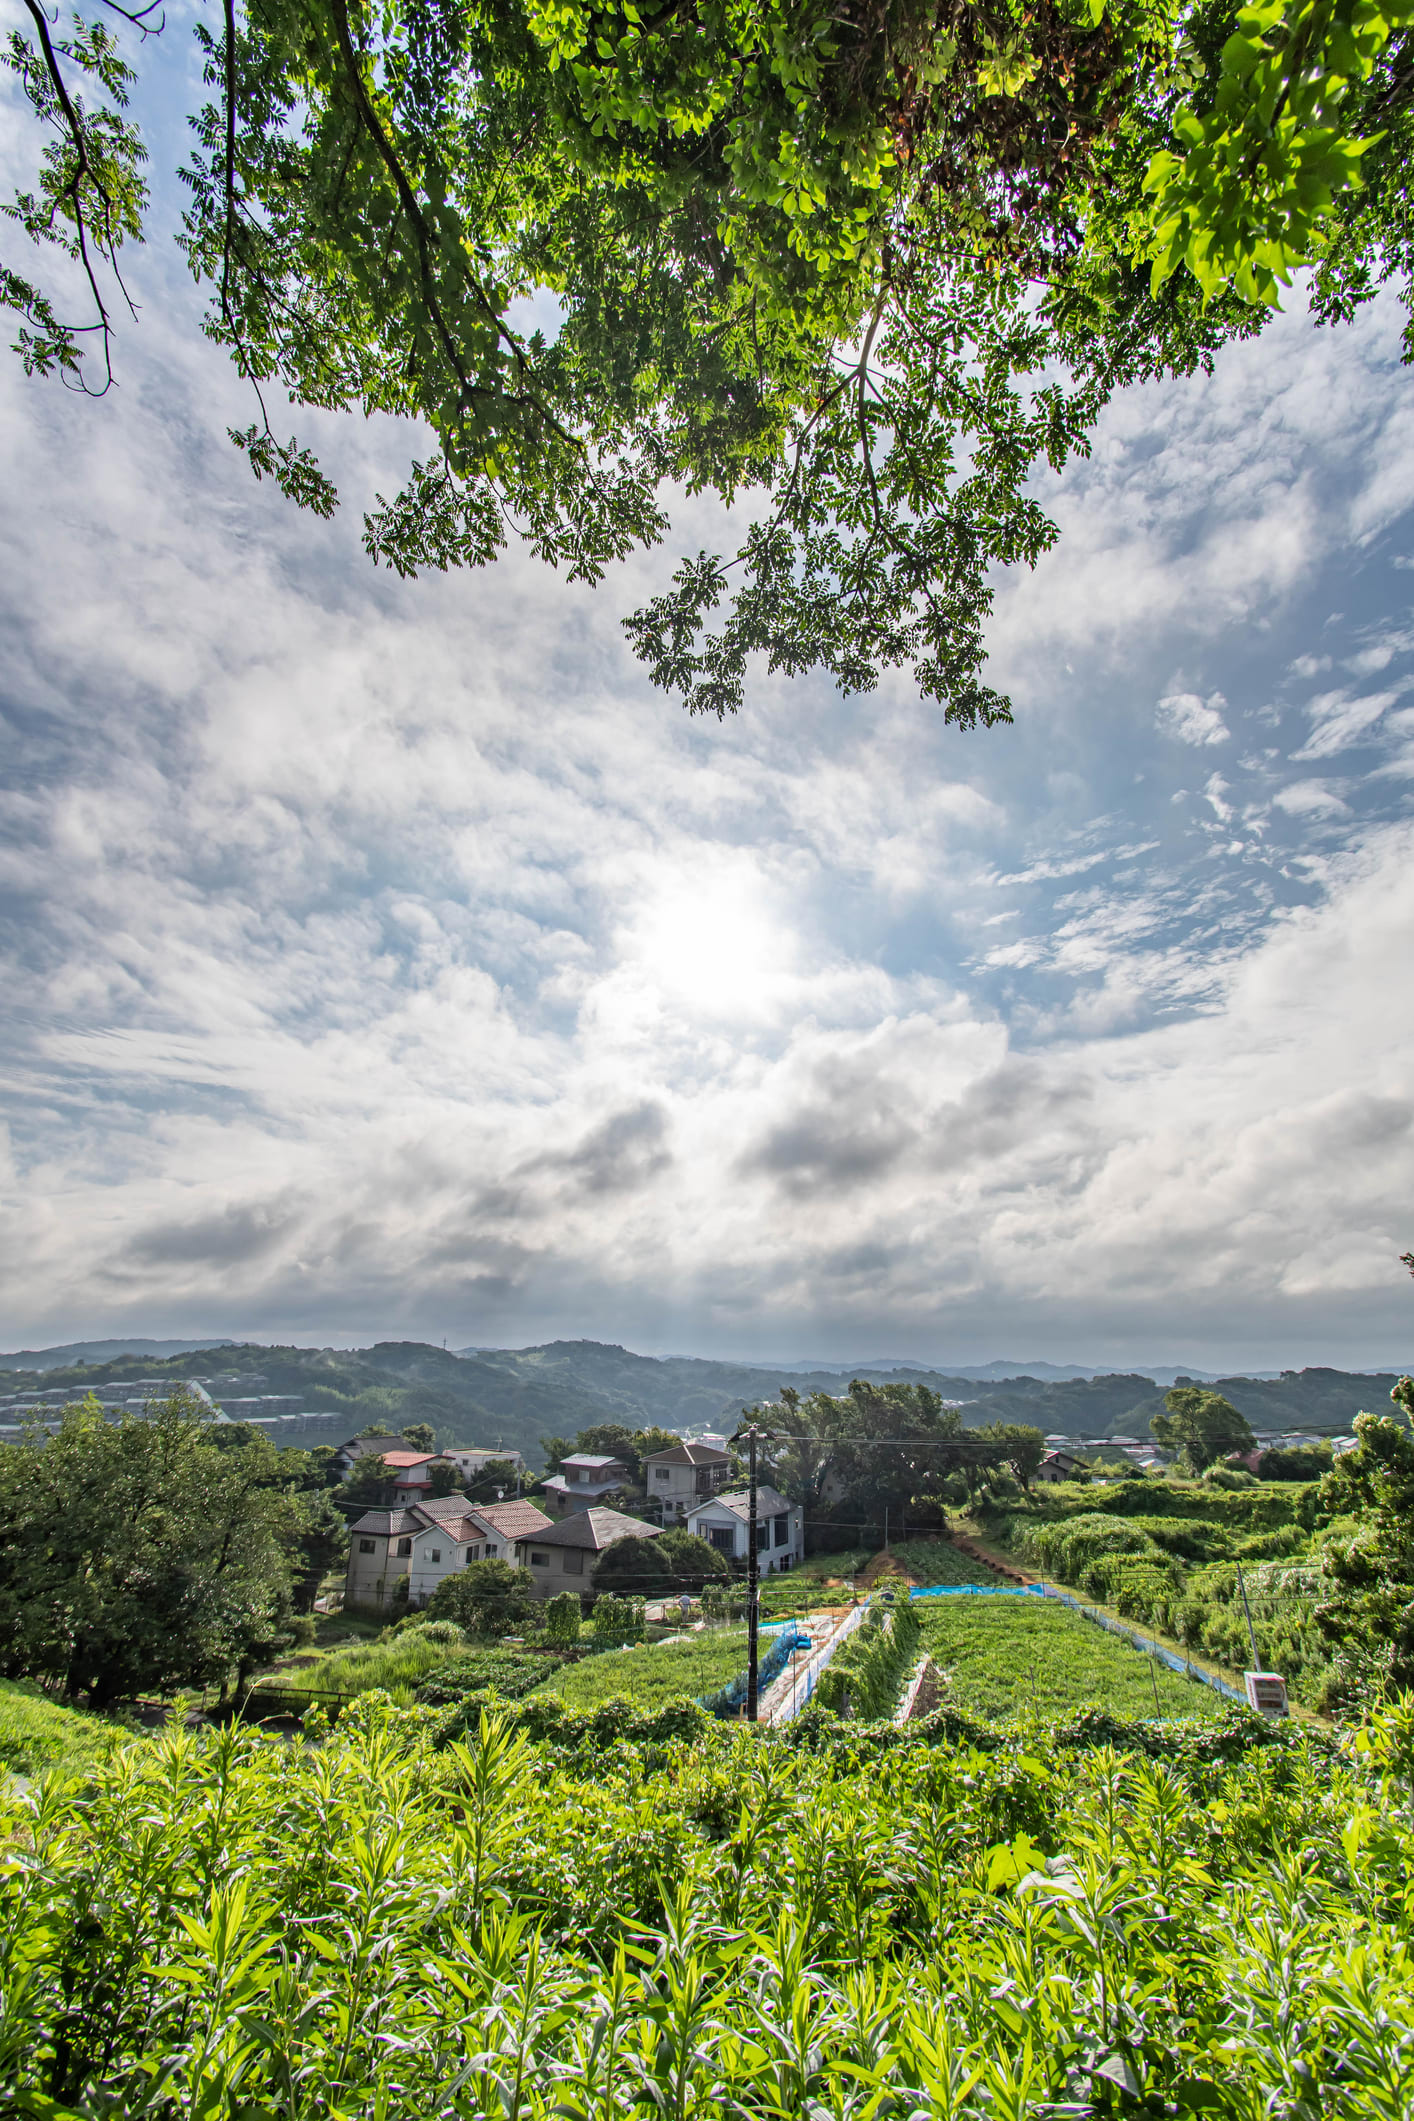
517, 1396
78, 1351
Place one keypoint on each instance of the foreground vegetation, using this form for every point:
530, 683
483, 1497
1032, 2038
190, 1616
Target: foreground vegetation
1004, 1657
678, 1920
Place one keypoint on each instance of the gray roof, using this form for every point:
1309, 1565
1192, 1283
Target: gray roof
768, 1503
689, 1454
394, 1524
594, 1529
591, 1458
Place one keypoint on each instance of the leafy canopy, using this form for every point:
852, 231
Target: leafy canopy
135, 1555
1203, 1425
862, 272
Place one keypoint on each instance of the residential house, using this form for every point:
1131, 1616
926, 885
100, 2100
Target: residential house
1060, 1465
686, 1474
426, 1541
380, 1547
724, 1522
486, 1532
348, 1454
563, 1558
470, 1461
583, 1481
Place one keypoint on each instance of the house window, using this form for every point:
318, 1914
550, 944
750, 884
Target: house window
721, 1538
473, 1553
434, 1553
367, 1546
780, 1530
661, 1473
572, 1562
404, 1548
763, 1536
538, 1560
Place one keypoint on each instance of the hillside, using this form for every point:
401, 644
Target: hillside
516, 1396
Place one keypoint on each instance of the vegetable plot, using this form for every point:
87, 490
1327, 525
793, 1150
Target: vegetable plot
1006, 1657
852, 1924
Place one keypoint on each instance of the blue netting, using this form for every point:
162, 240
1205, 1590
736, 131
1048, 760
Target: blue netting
729, 1698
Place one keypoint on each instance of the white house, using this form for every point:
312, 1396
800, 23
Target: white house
485, 1532
686, 1474
426, 1541
724, 1522
471, 1461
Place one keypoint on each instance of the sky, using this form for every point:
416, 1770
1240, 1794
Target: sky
391, 960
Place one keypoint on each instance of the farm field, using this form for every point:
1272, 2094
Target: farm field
1006, 1657
36, 1734
650, 1676
937, 1561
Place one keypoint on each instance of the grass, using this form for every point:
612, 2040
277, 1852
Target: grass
648, 1677
400, 1665
36, 1734
1011, 1656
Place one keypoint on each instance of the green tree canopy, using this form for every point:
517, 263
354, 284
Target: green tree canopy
867, 271
369, 1482
1201, 1424
634, 1568
443, 1478
420, 1436
136, 1556
690, 1562
488, 1599
1369, 1611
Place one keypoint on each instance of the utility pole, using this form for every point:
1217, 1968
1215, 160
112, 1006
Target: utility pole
1251, 1631
750, 1438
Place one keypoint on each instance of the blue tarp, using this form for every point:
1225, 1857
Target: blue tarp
728, 1699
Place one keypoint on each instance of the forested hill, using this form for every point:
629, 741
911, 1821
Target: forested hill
516, 1396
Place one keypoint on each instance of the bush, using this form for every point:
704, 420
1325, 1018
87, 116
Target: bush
445, 1632
617, 1620
691, 1562
488, 1599
563, 1617
1229, 1477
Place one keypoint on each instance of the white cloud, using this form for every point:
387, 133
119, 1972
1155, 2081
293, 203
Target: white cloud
1191, 720
390, 955
1310, 799
1339, 721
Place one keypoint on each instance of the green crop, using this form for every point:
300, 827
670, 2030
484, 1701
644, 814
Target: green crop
226, 1926
1005, 1657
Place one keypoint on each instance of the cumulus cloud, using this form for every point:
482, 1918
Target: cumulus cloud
1191, 720
390, 957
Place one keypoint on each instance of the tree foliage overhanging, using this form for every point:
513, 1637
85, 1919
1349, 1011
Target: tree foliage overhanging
865, 271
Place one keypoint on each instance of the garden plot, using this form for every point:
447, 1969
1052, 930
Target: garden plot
649, 1676
1009, 1656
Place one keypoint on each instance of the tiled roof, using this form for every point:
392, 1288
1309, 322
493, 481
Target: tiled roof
594, 1529
587, 1458
688, 1454
513, 1520
404, 1459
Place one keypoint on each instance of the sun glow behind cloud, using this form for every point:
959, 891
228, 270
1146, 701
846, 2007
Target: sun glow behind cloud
388, 957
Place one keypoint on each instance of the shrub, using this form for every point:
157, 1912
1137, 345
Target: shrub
563, 1618
481, 1673
488, 1599
617, 1620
